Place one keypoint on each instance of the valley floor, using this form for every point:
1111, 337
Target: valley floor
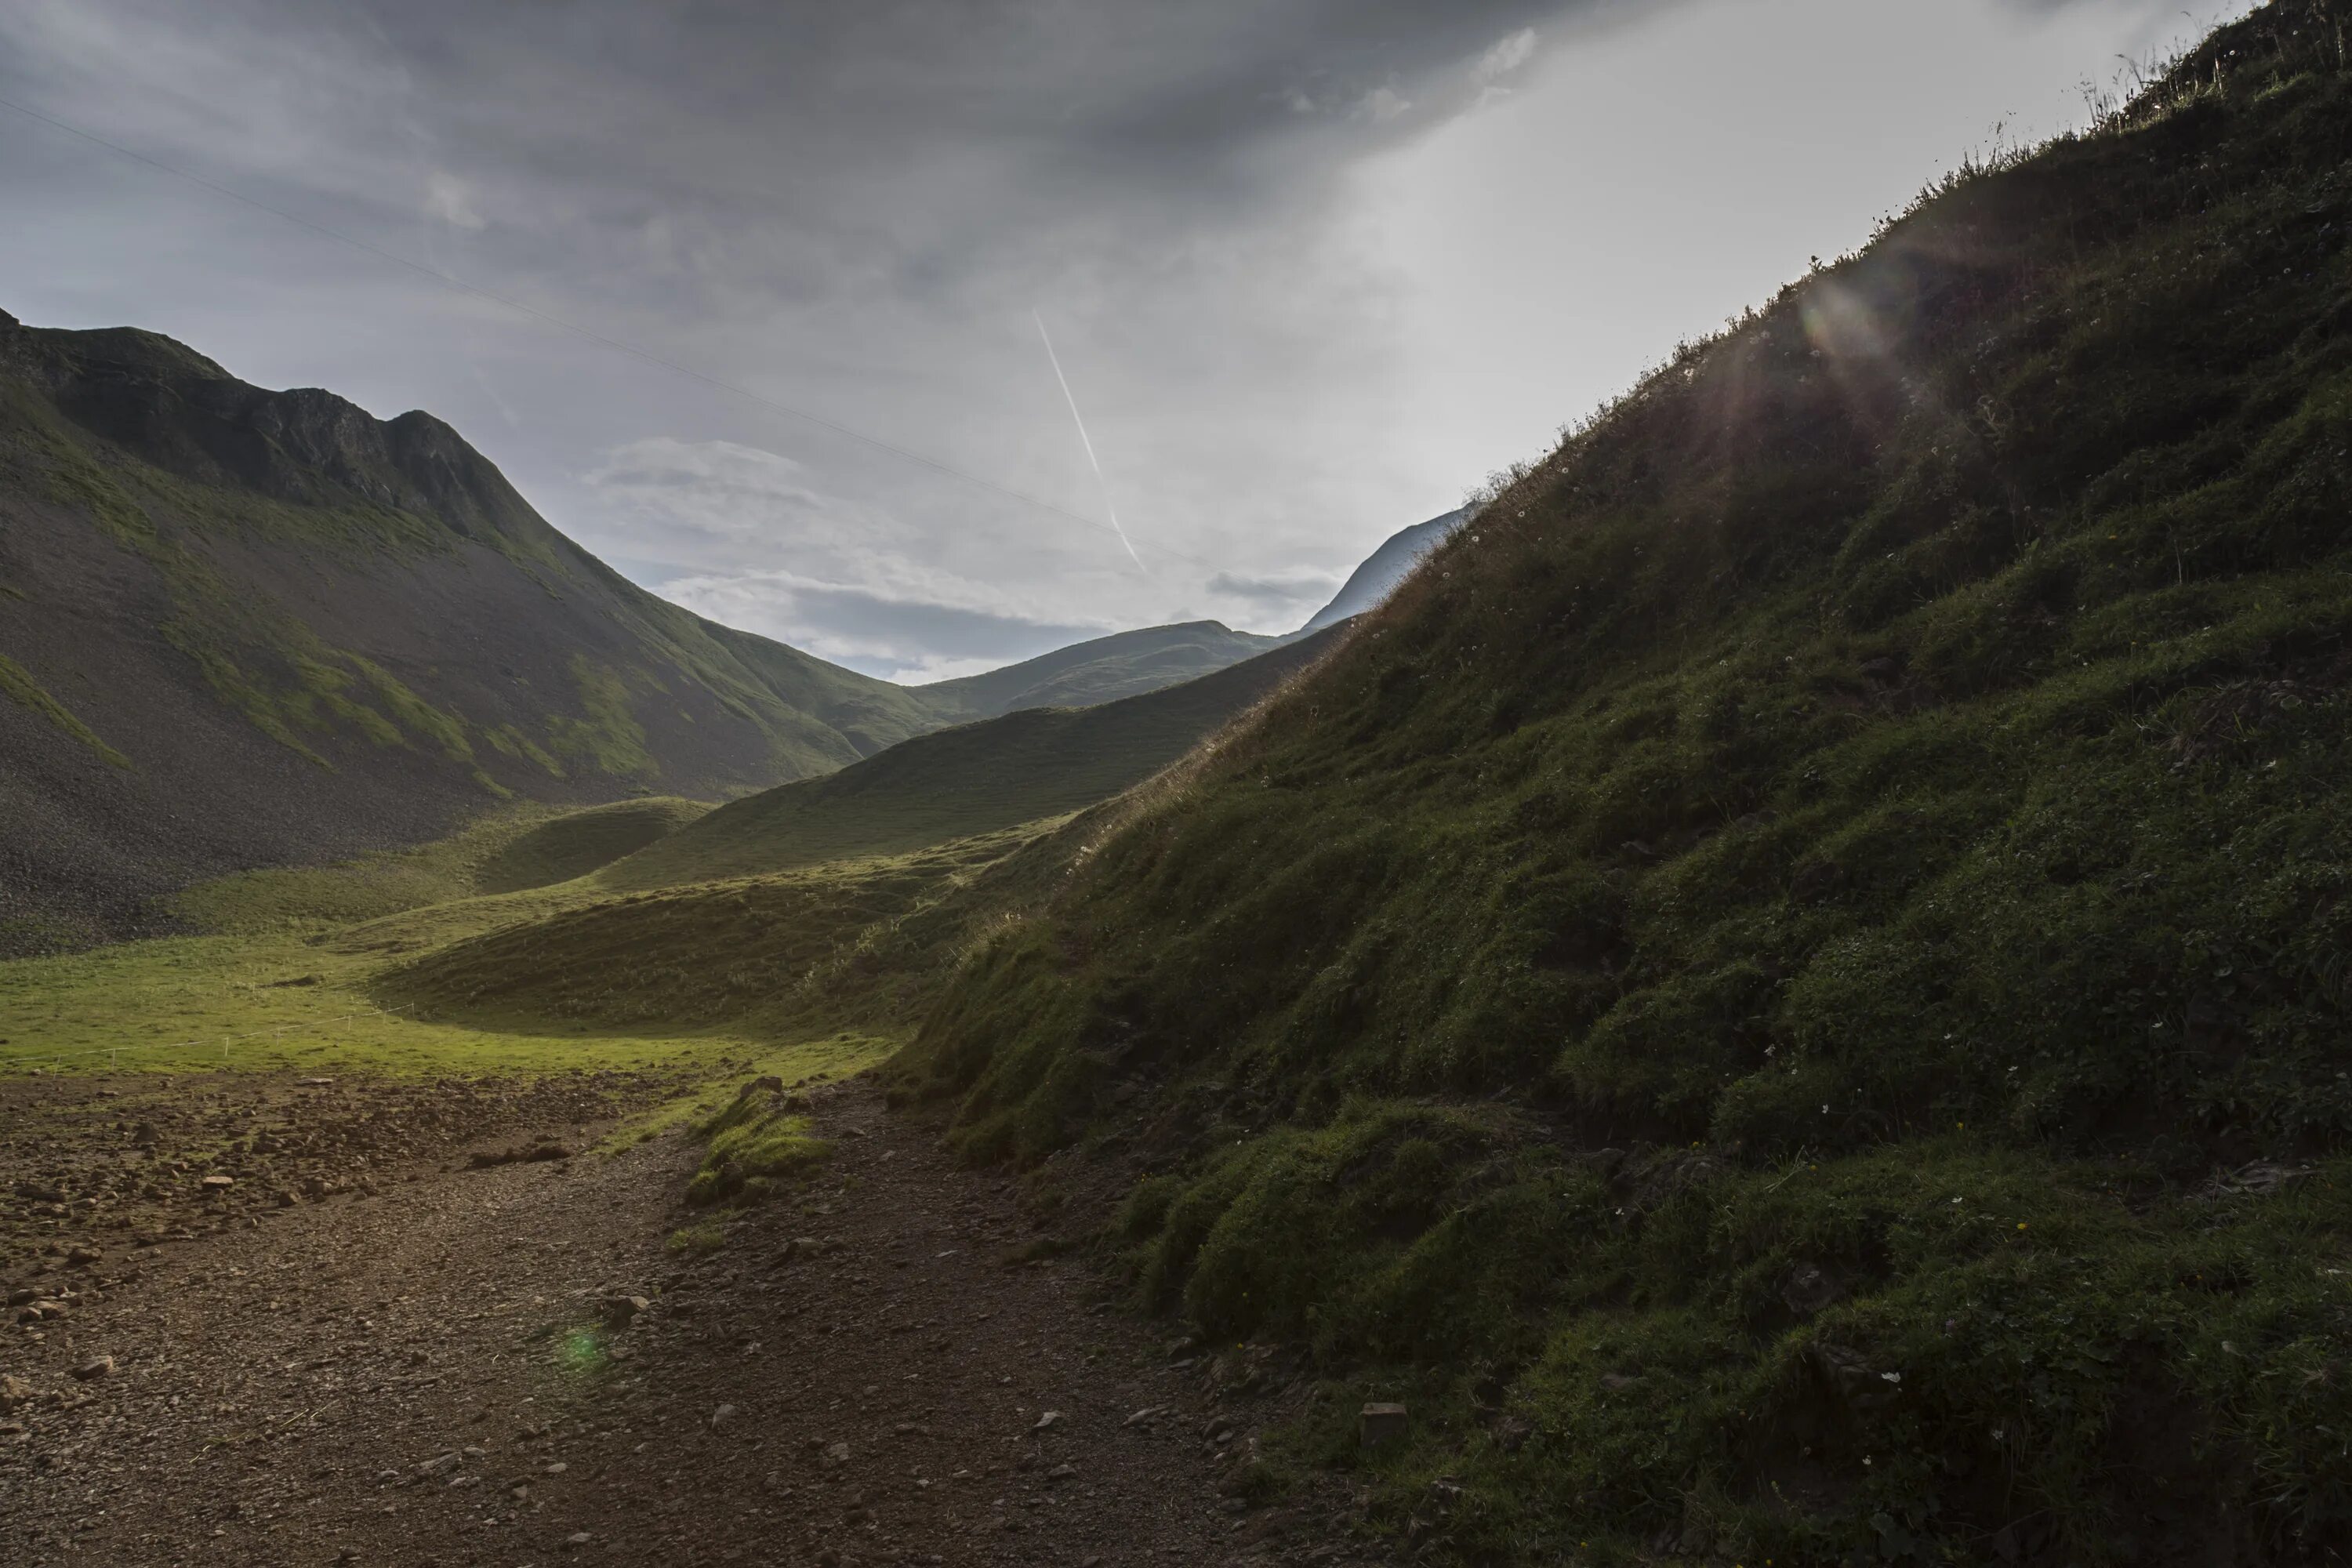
437, 1365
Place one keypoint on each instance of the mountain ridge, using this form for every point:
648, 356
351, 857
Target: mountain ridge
232, 590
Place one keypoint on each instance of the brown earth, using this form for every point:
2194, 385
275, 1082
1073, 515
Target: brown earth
440, 1363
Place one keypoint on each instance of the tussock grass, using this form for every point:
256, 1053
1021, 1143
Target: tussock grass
1894, 756
753, 1144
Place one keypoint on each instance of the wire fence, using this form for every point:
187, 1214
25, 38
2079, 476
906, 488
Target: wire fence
20, 1061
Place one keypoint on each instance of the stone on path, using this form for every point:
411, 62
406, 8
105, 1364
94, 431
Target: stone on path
94, 1368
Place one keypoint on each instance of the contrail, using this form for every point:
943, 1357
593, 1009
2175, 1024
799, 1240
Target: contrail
1086, 440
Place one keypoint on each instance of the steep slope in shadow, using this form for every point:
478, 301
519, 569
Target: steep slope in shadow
1788, 992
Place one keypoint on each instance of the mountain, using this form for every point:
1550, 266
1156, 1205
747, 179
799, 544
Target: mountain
242, 628
1790, 1002
1100, 670
974, 779
1383, 569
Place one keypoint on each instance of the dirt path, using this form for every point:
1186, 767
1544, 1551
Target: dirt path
436, 1373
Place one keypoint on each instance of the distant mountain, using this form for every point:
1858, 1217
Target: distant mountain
976, 778
1384, 569
1101, 670
242, 628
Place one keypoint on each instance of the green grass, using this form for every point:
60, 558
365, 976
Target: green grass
579, 842
1895, 755
17, 683
752, 1145
268, 1002
1786, 993
1102, 670
515, 849
976, 779
852, 942
288, 975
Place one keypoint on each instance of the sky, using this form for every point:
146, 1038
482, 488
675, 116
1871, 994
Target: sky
753, 297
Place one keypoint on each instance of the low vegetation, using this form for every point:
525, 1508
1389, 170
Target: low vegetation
1787, 993
1785, 996
757, 1141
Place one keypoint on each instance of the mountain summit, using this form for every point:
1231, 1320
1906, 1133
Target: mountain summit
1382, 569
243, 627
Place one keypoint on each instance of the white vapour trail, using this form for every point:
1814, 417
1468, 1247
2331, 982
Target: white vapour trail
1086, 440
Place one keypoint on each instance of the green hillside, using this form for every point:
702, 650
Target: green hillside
219, 593
974, 779
1788, 995
1104, 669
513, 850
579, 842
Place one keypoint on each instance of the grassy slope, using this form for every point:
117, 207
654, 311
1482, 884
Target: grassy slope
1749, 992
854, 944
289, 971
226, 494
579, 842
1104, 669
509, 850
976, 779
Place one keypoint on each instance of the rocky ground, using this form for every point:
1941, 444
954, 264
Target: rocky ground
370, 1346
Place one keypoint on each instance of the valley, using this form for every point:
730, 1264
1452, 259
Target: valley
1773, 990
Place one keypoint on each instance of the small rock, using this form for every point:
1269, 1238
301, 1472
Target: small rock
578, 1538
440, 1464
94, 1368
14, 1391
83, 1256
1379, 1423
555, 1468
1062, 1473
720, 1416
217, 1183
1047, 1422
836, 1454
1809, 1289
620, 1312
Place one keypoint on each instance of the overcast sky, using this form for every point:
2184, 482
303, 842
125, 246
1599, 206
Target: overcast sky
1313, 268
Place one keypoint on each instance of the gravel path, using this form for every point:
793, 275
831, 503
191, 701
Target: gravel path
449, 1370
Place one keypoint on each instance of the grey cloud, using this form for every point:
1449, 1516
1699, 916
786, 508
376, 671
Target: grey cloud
899, 638
1290, 336
1275, 590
